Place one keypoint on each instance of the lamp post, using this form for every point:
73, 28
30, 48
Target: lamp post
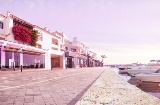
103, 56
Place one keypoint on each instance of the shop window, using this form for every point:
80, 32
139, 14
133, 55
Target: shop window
33, 61
1, 25
8, 59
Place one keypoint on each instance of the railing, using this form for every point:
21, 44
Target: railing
55, 45
62, 47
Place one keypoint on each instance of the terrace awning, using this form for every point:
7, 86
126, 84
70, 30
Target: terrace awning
32, 51
12, 48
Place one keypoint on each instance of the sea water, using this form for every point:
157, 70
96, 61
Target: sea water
124, 76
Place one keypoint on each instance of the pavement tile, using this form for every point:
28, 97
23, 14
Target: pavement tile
3, 98
41, 103
28, 99
21, 93
9, 100
38, 97
46, 96
18, 103
12, 97
6, 103
29, 104
19, 98
60, 102
7, 92
48, 103
1, 93
14, 93
49, 100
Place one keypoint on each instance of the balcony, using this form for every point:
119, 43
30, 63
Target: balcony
69, 54
54, 45
62, 47
77, 44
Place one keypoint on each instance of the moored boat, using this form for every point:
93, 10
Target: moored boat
154, 77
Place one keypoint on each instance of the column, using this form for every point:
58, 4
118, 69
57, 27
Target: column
21, 59
12, 62
64, 61
2, 56
47, 60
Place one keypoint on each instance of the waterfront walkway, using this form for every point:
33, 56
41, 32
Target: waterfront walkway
46, 87
84, 86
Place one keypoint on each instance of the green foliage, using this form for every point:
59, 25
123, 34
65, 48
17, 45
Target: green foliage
34, 37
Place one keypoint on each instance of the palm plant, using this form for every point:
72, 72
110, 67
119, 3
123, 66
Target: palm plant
103, 56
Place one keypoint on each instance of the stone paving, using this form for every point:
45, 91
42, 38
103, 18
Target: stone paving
46, 87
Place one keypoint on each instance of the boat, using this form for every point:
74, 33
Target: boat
154, 77
151, 67
127, 66
139, 71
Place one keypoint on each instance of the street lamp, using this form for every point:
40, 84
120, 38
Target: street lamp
103, 56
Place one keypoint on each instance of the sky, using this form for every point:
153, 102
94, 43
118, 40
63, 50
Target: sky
126, 31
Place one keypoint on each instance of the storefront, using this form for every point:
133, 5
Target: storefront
55, 62
12, 56
70, 58
33, 61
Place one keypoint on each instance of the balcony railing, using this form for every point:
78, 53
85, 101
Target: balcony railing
62, 47
55, 45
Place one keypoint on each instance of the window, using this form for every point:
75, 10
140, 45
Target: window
66, 48
73, 50
40, 37
1, 25
33, 61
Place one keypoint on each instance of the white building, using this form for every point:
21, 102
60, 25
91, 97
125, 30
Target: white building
48, 53
22, 43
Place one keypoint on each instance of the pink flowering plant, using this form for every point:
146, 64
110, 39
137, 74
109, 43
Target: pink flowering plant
21, 34
25, 35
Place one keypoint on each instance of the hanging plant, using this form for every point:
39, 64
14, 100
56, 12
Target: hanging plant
21, 34
25, 35
34, 37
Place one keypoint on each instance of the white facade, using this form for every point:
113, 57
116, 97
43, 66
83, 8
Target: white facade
48, 43
53, 50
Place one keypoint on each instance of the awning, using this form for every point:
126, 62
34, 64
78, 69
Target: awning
10, 49
32, 51
70, 54
14, 46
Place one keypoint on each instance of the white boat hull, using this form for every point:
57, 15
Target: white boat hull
155, 77
134, 72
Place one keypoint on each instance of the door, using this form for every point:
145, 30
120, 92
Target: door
69, 62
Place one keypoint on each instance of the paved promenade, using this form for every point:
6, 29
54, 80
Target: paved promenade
46, 87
